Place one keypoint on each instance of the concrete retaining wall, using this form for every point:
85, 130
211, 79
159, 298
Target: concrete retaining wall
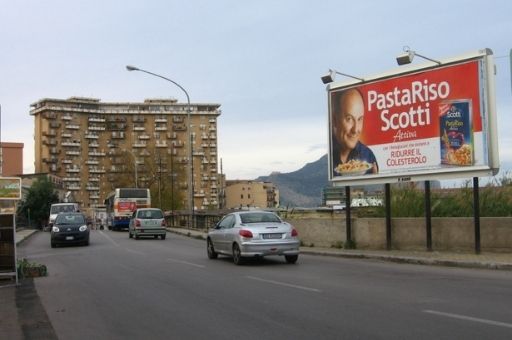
407, 233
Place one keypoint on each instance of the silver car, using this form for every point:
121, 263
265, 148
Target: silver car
147, 222
253, 234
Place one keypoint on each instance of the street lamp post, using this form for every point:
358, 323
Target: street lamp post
189, 137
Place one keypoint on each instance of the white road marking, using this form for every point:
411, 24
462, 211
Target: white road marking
109, 238
470, 318
187, 263
135, 251
284, 284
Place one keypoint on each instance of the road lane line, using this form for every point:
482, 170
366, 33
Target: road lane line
284, 284
469, 318
135, 251
187, 263
109, 238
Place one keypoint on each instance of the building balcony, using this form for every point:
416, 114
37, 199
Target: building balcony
92, 188
198, 153
139, 145
161, 128
161, 145
50, 133
71, 179
178, 119
97, 170
212, 136
94, 144
96, 154
213, 145
199, 194
72, 170
49, 142
91, 136
96, 128
54, 151
67, 117
144, 136
73, 187
118, 135
161, 120
73, 153
67, 161
172, 135
138, 119
177, 144
92, 162
116, 126
50, 160
139, 128
94, 179
179, 127
71, 144
96, 120
72, 127
212, 129
66, 135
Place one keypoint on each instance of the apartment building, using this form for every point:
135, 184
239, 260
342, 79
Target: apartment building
250, 194
88, 143
11, 159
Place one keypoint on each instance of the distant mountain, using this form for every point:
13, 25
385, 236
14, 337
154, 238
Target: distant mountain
301, 188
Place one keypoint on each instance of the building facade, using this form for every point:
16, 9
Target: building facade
12, 159
88, 143
251, 194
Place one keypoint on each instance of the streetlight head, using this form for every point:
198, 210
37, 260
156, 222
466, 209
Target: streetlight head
131, 68
405, 58
329, 77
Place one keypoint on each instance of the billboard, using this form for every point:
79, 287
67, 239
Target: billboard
10, 188
416, 123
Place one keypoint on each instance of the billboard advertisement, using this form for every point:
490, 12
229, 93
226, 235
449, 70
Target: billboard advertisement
417, 123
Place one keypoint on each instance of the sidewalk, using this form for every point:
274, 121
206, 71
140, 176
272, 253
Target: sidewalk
502, 261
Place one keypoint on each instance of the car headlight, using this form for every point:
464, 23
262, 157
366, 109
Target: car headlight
55, 229
83, 228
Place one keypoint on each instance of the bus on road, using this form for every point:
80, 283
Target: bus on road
122, 202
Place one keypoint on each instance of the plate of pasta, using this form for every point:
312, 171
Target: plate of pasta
353, 167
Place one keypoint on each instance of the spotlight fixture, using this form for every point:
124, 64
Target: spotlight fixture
331, 75
408, 56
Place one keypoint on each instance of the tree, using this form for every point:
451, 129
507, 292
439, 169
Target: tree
41, 195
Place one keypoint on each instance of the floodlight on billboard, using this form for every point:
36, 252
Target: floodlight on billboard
415, 123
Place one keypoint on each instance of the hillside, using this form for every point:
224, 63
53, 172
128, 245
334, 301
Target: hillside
301, 188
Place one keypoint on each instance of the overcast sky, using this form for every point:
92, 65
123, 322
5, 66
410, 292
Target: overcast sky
261, 60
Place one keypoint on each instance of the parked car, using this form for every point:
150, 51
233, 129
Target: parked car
253, 234
70, 228
147, 222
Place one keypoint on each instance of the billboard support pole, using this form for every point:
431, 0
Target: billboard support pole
387, 187
476, 211
428, 216
348, 223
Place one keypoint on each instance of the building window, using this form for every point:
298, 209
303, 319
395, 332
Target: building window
242, 196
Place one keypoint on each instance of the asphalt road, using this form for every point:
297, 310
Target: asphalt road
119, 288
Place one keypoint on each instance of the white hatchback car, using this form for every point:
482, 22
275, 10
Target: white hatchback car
147, 222
253, 234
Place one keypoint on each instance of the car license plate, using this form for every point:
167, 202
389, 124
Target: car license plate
69, 238
273, 236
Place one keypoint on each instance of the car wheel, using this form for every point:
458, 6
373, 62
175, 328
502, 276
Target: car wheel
237, 256
54, 245
212, 254
291, 258
135, 236
129, 234
155, 236
162, 236
86, 243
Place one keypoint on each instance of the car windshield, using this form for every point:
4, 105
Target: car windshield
70, 219
150, 214
258, 217
56, 209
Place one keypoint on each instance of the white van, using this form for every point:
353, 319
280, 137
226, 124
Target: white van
58, 208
